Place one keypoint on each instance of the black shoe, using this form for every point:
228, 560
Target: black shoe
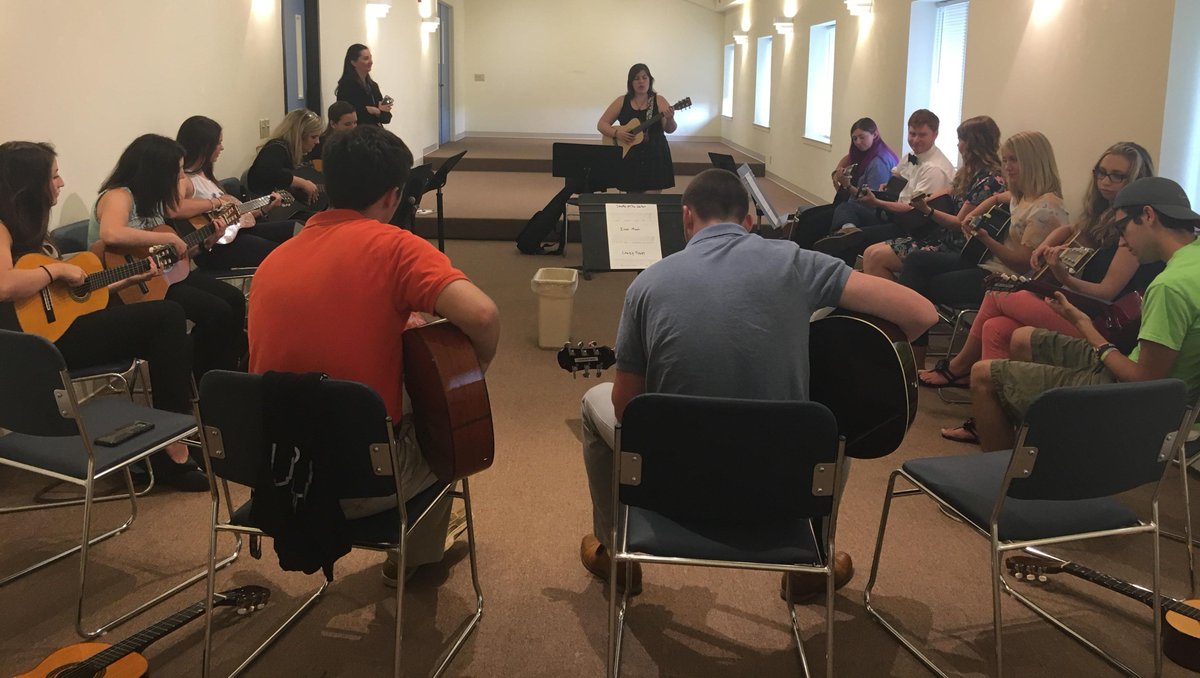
185, 477
844, 244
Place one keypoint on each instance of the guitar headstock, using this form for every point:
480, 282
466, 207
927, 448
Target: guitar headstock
227, 211
163, 255
848, 170
586, 359
683, 103
1073, 257
1003, 282
246, 599
1032, 569
285, 199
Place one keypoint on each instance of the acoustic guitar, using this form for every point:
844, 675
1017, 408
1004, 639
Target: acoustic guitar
92, 660
452, 414
156, 288
50, 312
1116, 319
1181, 630
860, 367
638, 127
996, 222
235, 224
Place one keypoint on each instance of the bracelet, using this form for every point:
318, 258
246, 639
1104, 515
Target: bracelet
1103, 350
48, 273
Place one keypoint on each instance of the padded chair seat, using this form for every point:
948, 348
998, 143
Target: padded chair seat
66, 455
782, 543
971, 483
97, 370
380, 528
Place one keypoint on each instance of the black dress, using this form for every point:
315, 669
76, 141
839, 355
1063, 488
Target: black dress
648, 165
352, 91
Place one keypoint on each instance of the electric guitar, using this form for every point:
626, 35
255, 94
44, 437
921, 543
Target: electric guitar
50, 312
860, 367
996, 222
235, 224
156, 288
638, 128
1181, 632
92, 660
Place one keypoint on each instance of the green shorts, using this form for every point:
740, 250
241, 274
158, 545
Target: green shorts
1058, 360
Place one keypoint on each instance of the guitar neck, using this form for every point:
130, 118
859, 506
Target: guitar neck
109, 276
144, 638
647, 123
197, 237
251, 205
1138, 593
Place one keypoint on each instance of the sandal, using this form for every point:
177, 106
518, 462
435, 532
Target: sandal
950, 379
962, 434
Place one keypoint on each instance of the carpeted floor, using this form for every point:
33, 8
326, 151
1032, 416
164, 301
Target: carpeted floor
544, 615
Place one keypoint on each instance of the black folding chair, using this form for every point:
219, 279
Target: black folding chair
356, 422
720, 482
1076, 448
53, 435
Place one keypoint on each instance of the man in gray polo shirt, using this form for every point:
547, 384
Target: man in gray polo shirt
728, 316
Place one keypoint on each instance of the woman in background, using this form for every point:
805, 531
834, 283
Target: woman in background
155, 331
357, 88
647, 168
274, 167
870, 155
202, 143
342, 117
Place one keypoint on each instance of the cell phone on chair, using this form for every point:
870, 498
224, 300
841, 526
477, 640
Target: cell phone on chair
117, 436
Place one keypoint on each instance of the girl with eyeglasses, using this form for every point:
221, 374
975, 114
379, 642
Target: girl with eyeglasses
1110, 273
275, 165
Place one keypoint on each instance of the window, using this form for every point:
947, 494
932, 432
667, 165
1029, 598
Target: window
818, 114
727, 87
946, 79
762, 83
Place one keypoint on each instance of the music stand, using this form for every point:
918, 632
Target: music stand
723, 161
765, 208
436, 183
593, 225
586, 168
406, 214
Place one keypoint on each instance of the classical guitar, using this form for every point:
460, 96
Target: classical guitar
860, 367
92, 660
996, 222
1114, 319
52, 310
231, 231
1181, 630
156, 288
638, 127
451, 411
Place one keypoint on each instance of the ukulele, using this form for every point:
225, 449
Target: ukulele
50, 312
638, 128
156, 288
452, 415
996, 222
1181, 632
860, 367
92, 660
235, 225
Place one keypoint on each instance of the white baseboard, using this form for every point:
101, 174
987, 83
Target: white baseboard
811, 198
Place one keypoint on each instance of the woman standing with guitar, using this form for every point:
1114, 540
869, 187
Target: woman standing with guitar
647, 168
130, 214
154, 331
202, 143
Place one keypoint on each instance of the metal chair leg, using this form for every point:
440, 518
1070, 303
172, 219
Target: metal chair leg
471, 623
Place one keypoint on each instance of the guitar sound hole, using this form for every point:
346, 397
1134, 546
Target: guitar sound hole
80, 293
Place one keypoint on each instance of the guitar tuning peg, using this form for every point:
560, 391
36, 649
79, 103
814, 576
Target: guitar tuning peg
1042, 579
242, 610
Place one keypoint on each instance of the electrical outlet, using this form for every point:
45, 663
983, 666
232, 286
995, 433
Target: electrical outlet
479, 77
264, 128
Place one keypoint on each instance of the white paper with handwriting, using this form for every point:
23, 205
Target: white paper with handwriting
633, 241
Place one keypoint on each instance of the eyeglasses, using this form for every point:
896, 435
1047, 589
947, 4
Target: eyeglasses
1120, 224
1116, 177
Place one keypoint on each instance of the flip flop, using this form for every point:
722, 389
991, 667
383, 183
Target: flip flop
962, 434
942, 369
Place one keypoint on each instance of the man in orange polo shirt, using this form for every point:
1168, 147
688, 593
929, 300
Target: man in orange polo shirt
337, 296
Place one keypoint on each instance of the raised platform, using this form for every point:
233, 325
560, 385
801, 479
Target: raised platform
489, 196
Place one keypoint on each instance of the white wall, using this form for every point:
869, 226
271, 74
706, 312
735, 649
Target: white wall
1181, 124
89, 77
551, 67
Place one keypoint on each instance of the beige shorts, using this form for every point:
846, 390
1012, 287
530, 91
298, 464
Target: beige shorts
1058, 360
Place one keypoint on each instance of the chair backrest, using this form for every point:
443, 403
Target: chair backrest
233, 186
354, 418
718, 459
71, 238
30, 371
1096, 441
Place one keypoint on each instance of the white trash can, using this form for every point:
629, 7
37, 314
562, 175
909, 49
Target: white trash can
555, 288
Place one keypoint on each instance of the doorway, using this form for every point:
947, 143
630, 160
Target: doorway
445, 71
301, 55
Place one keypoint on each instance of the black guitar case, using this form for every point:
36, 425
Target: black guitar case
539, 227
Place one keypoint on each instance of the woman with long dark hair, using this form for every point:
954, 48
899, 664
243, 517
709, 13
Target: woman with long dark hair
202, 142
871, 157
356, 87
648, 166
154, 331
135, 199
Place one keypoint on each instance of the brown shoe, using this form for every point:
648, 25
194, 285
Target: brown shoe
596, 560
806, 586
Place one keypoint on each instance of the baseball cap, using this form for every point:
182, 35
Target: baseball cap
1161, 193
